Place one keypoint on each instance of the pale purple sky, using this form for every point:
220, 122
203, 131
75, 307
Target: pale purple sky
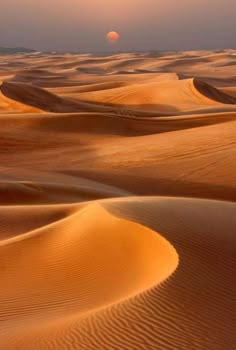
81, 25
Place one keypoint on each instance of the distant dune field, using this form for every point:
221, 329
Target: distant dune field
118, 201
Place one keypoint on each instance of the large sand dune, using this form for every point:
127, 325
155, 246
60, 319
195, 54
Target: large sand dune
117, 197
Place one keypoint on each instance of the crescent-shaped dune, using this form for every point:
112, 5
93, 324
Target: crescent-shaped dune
121, 281
117, 201
171, 96
174, 95
93, 286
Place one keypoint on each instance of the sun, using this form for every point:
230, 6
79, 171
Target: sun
112, 37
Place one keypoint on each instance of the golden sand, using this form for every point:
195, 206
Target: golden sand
117, 197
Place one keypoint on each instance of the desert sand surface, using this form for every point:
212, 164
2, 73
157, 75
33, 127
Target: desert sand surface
117, 201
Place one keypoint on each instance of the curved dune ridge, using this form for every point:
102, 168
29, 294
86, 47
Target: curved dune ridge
172, 95
93, 284
165, 96
117, 201
127, 259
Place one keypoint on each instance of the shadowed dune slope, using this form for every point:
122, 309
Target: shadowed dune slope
8, 105
36, 97
32, 192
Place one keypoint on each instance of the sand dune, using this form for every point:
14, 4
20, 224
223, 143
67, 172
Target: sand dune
117, 198
93, 302
187, 94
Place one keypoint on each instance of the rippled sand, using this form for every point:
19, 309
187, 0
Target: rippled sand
117, 198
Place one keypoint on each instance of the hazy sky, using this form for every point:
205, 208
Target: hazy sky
81, 25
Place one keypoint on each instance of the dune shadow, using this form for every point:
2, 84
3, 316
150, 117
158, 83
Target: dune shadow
141, 185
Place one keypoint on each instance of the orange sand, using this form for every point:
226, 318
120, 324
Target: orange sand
117, 197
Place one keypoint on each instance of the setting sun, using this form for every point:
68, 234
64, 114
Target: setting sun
112, 37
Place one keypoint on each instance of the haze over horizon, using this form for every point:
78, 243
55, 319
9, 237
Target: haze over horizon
74, 25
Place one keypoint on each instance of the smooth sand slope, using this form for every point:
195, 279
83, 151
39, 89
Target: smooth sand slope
117, 198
